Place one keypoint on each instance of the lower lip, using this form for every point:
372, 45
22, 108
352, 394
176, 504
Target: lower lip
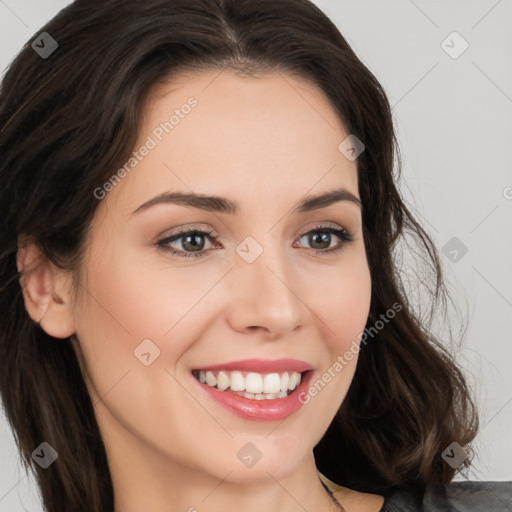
276, 409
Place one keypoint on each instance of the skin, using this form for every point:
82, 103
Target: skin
265, 142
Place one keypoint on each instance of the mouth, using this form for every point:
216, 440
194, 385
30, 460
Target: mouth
252, 385
256, 390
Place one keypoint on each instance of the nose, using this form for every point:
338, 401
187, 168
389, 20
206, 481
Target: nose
266, 296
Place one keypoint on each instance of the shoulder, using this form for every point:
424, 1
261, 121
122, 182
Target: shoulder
466, 496
470, 495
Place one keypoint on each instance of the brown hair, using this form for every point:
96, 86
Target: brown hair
68, 121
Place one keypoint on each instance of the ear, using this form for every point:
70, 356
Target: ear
46, 290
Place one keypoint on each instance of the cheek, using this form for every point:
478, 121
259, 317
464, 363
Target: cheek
127, 301
344, 303
343, 306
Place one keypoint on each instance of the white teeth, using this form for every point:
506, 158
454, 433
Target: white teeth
271, 383
254, 385
237, 381
285, 378
222, 381
211, 380
294, 380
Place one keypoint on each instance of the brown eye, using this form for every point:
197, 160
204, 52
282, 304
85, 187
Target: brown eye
192, 242
320, 239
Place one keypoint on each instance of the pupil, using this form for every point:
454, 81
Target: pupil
325, 237
193, 241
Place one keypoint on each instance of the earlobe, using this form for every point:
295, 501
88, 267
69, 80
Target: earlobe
45, 291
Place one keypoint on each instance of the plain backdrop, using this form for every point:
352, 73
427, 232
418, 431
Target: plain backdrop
446, 69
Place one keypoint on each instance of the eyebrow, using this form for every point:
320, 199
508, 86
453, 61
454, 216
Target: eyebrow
224, 205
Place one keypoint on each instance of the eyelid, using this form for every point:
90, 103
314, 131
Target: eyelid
186, 228
319, 225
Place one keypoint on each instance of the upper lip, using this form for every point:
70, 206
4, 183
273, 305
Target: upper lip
262, 366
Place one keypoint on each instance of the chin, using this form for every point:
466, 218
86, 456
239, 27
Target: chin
257, 459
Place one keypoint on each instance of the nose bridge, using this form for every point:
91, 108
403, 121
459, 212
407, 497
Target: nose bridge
265, 282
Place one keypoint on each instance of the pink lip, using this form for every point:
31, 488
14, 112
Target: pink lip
262, 366
277, 409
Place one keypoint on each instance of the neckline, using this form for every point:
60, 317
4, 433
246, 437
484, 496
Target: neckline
334, 487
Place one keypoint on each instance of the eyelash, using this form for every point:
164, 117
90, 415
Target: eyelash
342, 233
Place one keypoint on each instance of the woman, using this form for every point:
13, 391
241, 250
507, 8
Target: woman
280, 366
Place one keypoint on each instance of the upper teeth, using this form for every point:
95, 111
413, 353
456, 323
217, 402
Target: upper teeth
252, 382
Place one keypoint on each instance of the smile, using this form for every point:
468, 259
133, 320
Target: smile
251, 385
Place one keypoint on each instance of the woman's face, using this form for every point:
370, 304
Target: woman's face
265, 285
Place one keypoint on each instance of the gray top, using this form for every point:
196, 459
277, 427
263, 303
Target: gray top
467, 496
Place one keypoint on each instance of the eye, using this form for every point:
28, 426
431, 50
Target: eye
191, 242
320, 239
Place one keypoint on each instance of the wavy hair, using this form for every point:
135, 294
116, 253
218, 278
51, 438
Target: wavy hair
68, 121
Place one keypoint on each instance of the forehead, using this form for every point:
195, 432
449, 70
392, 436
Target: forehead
215, 131
240, 107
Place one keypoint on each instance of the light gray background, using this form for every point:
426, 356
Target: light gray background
454, 123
